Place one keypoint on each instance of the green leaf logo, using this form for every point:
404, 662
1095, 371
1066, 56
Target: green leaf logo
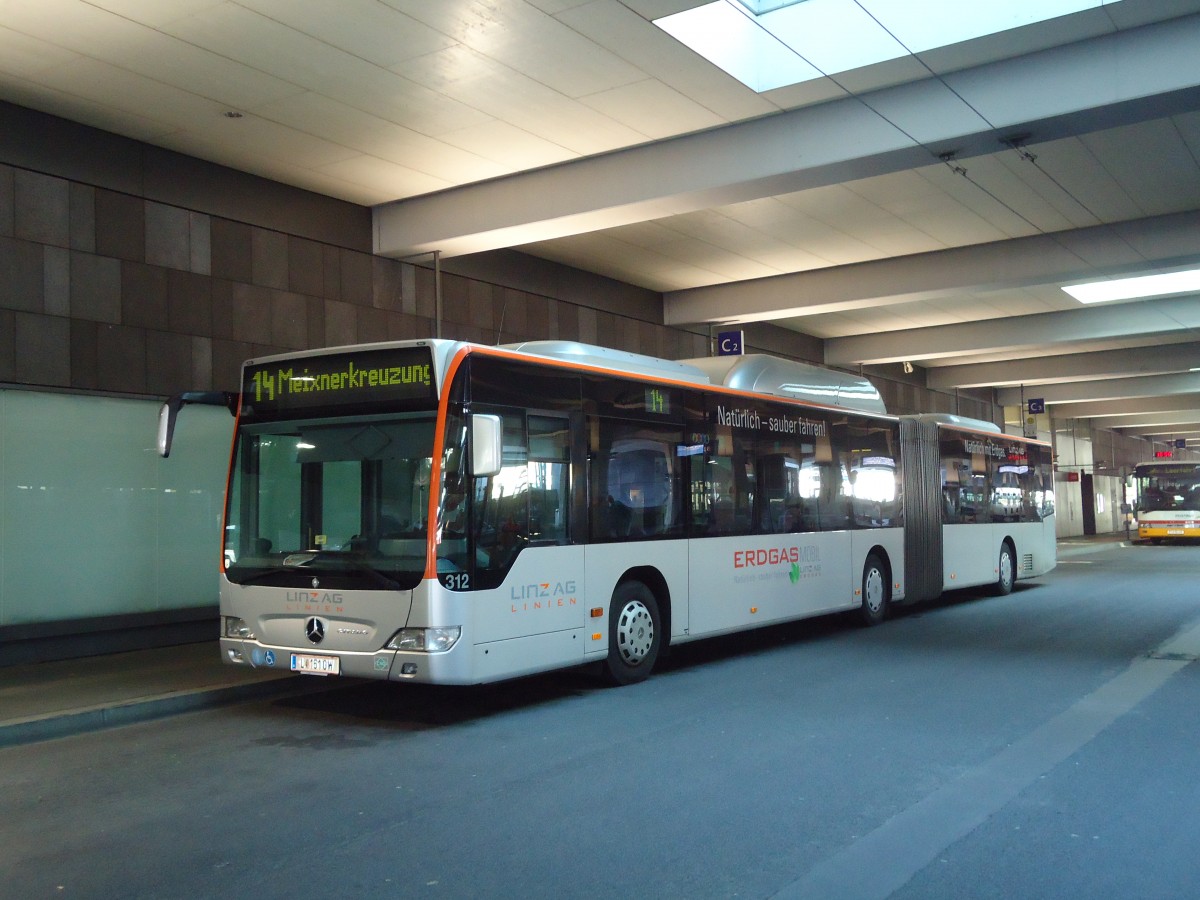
794, 574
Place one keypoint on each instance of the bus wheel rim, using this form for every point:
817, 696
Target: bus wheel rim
873, 590
1006, 568
635, 632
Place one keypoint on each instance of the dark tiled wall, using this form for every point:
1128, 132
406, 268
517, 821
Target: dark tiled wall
127, 268
100, 290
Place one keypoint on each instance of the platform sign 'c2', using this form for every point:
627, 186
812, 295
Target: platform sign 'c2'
730, 343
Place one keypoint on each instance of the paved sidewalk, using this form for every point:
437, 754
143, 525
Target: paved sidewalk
49, 700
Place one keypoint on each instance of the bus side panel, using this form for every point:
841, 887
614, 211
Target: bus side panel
606, 563
535, 620
542, 592
970, 555
1037, 547
751, 580
972, 552
499, 660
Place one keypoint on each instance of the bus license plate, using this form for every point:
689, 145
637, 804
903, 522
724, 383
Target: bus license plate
1175, 531
316, 665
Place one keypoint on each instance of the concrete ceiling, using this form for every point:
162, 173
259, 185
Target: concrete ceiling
926, 210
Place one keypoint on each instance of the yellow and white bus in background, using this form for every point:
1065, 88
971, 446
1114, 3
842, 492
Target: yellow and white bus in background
445, 512
1168, 500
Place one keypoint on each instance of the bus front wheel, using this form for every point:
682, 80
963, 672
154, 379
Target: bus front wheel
1007, 569
875, 593
634, 633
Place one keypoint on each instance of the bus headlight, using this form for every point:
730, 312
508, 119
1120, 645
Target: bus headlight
238, 628
425, 640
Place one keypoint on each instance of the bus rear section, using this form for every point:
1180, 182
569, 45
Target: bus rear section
980, 506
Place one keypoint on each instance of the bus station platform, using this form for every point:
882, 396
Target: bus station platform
47, 700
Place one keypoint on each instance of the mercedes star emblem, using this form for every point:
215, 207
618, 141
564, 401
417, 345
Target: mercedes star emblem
315, 629
316, 582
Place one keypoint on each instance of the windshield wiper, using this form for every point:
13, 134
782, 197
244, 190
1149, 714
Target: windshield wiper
265, 573
357, 564
348, 560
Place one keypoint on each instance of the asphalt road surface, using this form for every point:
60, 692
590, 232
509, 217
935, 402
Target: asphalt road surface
1038, 745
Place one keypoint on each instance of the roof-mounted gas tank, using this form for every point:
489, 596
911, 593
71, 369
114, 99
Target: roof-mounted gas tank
795, 380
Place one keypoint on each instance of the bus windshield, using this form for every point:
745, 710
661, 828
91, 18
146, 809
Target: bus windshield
342, 501
1168, 487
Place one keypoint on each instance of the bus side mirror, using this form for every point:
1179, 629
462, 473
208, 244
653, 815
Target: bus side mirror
169, 412
487, 442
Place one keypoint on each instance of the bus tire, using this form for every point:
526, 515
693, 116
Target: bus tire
876, 591
1007, 570
634, 633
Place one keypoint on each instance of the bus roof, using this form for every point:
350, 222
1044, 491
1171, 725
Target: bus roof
761, 374
752, 373
606, 358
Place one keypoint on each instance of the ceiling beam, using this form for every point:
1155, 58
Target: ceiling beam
1187, 418
1064, 256
1162, 432
1045, 370
1142, 390
1139, 406
1050, 94
1076, 326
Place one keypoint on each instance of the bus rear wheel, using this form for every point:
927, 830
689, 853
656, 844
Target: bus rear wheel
1007, 569
875, 591
634, 633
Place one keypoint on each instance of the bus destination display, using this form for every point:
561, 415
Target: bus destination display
370, 377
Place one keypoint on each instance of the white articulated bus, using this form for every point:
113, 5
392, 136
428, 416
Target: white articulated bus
444, 512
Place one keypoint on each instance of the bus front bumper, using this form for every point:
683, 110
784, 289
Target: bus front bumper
1150, 530
448, 667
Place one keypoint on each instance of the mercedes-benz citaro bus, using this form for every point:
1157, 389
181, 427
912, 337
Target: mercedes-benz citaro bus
1168, 500
444, 512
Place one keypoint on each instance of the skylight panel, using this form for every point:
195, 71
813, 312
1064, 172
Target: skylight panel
733, 40
758, 7
806, 28
939, 26
768, 44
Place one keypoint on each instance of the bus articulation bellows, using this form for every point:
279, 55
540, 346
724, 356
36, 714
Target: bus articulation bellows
445, 512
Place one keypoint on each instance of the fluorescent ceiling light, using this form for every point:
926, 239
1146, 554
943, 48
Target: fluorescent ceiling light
1136, 288
768, 44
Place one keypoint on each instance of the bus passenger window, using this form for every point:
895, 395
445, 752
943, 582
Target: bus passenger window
633, 493
730, 481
